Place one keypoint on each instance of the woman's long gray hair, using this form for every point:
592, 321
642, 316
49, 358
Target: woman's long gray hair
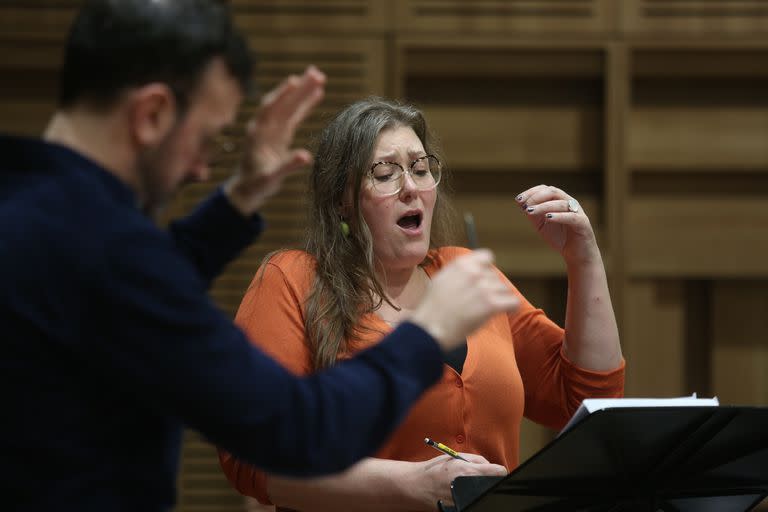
346, 285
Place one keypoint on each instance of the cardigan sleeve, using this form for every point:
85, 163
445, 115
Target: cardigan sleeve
271, 315
554, 386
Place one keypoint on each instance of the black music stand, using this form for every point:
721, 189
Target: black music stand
636, 459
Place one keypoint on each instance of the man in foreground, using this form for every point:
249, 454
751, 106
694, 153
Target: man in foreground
110, 343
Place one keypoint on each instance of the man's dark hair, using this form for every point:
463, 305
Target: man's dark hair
117, 44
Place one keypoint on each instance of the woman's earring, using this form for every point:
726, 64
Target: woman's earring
344, 228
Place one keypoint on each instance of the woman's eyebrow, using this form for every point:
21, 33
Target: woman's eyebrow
389, 157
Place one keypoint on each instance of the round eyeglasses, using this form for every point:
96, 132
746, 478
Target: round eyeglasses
388, 178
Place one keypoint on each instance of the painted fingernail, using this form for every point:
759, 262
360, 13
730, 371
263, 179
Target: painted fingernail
549, 215
529, 209
519, 197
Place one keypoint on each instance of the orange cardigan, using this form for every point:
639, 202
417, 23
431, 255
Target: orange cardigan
514, 367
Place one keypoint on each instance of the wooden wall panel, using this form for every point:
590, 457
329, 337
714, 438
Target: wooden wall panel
699, 108
667, 340
704, 60
696, 151
519, 137
29, 71
739, 342
507, 16
690, 236
684, 137
615, 175
311, 16
445, 57
26, 117
653, 338
695, 17
27, 20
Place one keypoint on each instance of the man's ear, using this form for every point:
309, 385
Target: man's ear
152, 113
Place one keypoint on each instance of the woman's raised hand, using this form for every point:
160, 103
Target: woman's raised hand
561, 222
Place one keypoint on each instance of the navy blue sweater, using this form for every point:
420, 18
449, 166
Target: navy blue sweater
110, 345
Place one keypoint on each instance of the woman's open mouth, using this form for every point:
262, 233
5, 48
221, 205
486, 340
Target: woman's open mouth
411, 222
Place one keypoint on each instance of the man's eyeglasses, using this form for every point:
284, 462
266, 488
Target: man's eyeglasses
388, 177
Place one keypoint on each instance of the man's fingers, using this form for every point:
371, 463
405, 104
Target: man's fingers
481, 256
297, 98
274, 96
297, 159
495, 470
305, 106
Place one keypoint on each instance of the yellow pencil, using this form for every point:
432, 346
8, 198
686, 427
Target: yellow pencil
445, 449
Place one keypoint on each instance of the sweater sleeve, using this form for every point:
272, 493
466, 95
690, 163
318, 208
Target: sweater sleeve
213, 234
159, 338
554, 386
271, 316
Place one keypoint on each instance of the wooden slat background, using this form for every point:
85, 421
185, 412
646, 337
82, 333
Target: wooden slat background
507, 16
311, 16
695, 17
654, 113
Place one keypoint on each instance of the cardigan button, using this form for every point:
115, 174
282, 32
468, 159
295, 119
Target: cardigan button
460, 439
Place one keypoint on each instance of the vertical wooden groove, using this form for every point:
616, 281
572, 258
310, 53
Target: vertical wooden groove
698, 337
616, 174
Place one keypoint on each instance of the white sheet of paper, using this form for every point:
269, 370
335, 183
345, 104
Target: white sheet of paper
590, 405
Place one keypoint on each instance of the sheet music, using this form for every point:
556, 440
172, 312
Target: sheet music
590, 405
